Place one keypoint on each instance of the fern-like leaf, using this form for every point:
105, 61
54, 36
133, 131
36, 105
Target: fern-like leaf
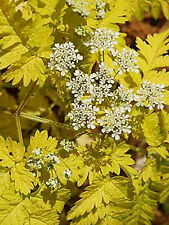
151, 52
143, 211
23, 46
99, 200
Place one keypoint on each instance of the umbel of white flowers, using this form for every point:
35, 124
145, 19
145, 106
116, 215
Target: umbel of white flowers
95, 89
126, 61
64, 57
97, 98
102, 39
79, 6
100, 9
150, 95
38, 159
115, 121
83, 114
68, 146
52, 183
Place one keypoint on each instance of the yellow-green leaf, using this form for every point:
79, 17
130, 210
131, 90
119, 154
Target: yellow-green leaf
152, 130
23, 178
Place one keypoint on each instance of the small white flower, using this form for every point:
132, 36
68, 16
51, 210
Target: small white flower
140, 162
126, 61
79, 6
67, 145
115, 121
67, 173
52, 157
64, 58
52, 183
150, 95
100, 8
80, 84
35, 164
102, 39
124, 97
103, 83
83, 114
39, 163
37, 151
34, 173
81, 31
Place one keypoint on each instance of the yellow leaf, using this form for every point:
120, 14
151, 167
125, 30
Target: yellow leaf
162, 151
151, 52
23, 46
23, 178
152, 130
41, 140
11, 152
29, 69
16, 210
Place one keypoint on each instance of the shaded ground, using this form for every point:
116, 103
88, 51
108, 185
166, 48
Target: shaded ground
142, 29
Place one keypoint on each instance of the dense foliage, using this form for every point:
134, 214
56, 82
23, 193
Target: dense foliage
84, 119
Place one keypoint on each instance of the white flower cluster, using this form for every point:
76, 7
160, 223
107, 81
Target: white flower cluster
126, 61
102, 39
100, 8
52, 183
37, 152
103, 83
64, 57
80, 84
150, 95
68, 146
81, 31
79, 6
123, 97
115, 121
88, 92
35, 164
38, 160
83, 114
53, 158
97, 86
47, 161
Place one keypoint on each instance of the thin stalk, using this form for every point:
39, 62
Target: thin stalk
22, 105
19, 129
103, 56
44, 120
39, 120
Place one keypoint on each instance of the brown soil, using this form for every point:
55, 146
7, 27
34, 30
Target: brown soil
141, 29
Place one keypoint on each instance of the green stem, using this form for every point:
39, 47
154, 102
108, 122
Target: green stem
103, 56
44, 120
39, 120
22, 105
19, 129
